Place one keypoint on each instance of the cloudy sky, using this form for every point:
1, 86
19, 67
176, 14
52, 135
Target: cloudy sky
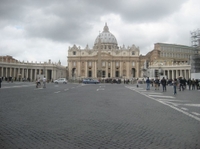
39, 30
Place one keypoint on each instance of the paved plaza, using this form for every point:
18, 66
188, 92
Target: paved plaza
100, 116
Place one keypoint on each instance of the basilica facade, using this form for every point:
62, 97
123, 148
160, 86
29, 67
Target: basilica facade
108, 60
105, 60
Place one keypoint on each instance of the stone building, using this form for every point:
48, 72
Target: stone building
12, 68
105, 60
170, 60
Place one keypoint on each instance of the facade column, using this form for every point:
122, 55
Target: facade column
128, 70
106, 69
138, 69
86, 69
128, 75
113, 69
92, 69
95, 74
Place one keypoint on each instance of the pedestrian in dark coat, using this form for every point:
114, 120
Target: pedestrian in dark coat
193, 84
175, 83
164, 83
189, 82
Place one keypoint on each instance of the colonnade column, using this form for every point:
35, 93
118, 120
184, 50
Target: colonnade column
31, 75
35, 74
172, 74
1, 72
22, 72
185, 74
181, 73
14, 72
6, 72
26, 73
10, 72
189, 74
168, 75
176, 74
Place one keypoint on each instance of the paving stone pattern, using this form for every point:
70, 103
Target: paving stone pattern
81, 119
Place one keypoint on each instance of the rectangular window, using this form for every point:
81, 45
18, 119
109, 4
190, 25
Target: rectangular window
117, 64
89, 73
133, 52
74, 52
90, 64
103, 74
117, 74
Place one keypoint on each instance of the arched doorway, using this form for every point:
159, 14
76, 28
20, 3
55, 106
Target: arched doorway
133, 72
73, 73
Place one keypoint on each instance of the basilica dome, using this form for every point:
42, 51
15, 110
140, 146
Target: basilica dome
106, 38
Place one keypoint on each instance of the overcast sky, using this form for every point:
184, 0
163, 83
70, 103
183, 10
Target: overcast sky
39, 30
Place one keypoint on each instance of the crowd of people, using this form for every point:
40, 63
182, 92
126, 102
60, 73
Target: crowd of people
181, 84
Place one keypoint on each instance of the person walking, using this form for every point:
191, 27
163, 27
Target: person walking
0, 82
181, 81
137, 82
164, 83
189, 83
38, 82
156, 82
44, 82
175, 83
148, 83
193, 84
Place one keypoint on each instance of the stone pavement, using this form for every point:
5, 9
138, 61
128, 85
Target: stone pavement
100, 116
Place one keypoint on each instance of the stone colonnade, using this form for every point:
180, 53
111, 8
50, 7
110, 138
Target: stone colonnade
172, 74
19, 71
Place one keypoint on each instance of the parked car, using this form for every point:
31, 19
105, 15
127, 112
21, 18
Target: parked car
61, 80
90, 81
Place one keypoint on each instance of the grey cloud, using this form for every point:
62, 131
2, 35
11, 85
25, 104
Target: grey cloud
72, 18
